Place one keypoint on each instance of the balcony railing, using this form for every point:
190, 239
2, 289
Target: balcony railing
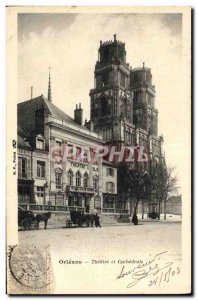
46, 207
56, 208
72, 188
115, 211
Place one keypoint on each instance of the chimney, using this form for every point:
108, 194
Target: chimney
78, 115
31, 92
91, 126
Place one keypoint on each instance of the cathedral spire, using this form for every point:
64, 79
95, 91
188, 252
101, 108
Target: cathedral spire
49, 86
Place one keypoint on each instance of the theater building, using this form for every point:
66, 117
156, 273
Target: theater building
47, 179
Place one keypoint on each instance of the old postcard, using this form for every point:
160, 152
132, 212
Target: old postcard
98, 150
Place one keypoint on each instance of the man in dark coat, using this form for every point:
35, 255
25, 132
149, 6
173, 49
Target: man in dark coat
92, 218
135, 219
97, 222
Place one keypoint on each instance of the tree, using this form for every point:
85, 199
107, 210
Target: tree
158, 177
164, 181
123, 182
147, 190
135, 183
171, 187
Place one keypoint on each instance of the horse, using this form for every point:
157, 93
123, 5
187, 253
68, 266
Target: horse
43, 217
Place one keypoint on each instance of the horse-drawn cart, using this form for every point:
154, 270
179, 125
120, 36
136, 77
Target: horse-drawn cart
78, 219
26, 219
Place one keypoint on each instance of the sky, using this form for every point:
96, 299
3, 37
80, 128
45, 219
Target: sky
68, 43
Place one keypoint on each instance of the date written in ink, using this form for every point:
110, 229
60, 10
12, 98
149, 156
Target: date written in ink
164, 276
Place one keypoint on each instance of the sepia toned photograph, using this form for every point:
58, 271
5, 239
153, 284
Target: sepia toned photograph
98, 150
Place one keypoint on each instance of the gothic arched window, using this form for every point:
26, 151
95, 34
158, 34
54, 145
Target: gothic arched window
85, 180
95, 183
70, 177
58, 179
78, 178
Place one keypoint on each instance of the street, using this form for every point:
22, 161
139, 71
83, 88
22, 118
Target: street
119, 243
107, 240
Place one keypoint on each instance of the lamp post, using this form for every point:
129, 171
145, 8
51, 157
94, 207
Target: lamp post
129, 201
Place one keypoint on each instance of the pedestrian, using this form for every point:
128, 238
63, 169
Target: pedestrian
92, 219
97, 222
135, 219
130, 217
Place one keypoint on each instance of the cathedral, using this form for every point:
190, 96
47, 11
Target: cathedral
122, 102
122, 113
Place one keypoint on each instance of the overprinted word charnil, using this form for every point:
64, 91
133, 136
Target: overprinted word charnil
111, 153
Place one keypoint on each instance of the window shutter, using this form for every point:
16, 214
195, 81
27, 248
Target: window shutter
19, 168
43, 170
28, 168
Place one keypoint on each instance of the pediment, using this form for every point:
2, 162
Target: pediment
58, 170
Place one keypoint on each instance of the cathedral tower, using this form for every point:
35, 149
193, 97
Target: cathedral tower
111, 98
144, 113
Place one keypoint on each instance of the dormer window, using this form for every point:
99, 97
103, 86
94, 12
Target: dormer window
40, 142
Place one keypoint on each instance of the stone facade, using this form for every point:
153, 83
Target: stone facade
58, 182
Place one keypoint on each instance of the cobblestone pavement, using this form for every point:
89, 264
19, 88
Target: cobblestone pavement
110, 239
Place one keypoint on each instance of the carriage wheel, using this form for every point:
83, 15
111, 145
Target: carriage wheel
25, 224
79, 223
69, 223
34, 225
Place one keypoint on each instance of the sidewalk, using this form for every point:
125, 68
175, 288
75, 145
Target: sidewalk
169, 219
